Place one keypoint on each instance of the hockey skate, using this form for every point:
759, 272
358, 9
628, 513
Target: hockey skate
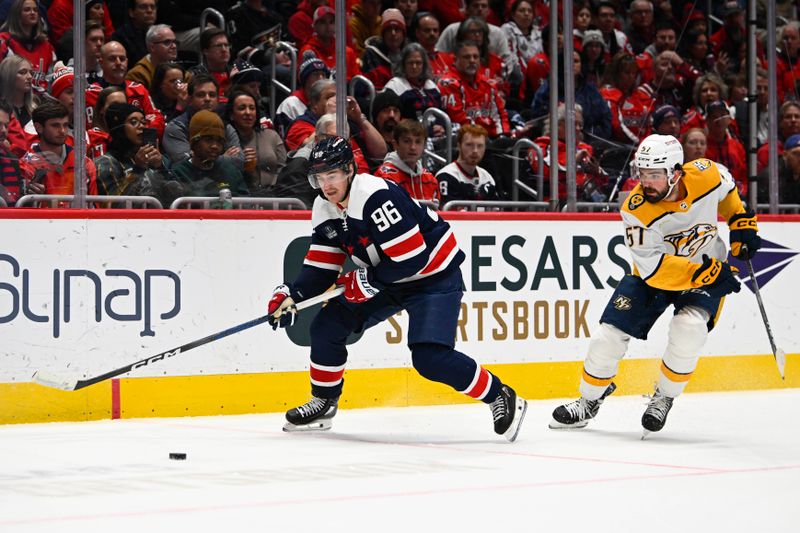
655, 416
508, 411
578, 413
314, 415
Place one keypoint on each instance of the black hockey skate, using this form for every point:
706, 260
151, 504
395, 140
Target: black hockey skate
578, 413
508, 411
314, 415
655, 416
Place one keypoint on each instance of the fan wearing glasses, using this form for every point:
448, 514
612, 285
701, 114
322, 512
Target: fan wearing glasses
162, 47
216, 50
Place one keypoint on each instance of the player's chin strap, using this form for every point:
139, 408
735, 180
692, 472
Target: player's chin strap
672, 181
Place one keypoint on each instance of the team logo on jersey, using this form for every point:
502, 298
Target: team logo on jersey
770, 259
702, 164
688, 242
635, 201
329, 231
622, 303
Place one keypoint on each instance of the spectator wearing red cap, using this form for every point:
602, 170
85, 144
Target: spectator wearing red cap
311, 69
426, 32
723, 146
301, 23
365, 23
788, 125
23, 34
323, 42
382, 53
62, 90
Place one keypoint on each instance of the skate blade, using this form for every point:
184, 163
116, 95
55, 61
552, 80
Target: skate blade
645, 433
317, 425
519, 415
555, 424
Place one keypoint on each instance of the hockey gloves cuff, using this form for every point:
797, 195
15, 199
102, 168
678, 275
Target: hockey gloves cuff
744, 235
357, 286
716, 278
281, 308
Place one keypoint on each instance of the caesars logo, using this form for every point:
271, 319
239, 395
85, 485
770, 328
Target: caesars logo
543, 280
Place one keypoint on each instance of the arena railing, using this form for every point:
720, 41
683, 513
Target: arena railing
516, 183
593, 207
357, 80
3, 202
431, 115
275, 84
784, 209
213, 202
203, 21
129, 202
494, 205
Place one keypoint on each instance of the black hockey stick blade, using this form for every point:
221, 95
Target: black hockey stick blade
56, 381
778, 353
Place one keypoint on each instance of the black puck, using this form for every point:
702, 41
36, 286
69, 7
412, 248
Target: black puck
178, 456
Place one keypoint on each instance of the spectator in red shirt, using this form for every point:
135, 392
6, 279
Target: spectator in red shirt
708, 88
23, 34
426, 31
323, 42
723, 146
726, 41
60, 13
404, 165
11, 175
301, 25
629, 115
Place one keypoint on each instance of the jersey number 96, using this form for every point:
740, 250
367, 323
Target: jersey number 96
385, 216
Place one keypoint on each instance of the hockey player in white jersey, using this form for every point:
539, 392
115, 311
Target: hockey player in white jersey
407, 258
670, 222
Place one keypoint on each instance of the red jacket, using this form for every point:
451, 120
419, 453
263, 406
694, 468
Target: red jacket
328, 55
59, 176
60, 13
580, 177
474, 103
138, 96
730, 153
630, 116
418, 182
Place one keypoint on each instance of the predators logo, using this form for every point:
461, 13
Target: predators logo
635, 201
688, 242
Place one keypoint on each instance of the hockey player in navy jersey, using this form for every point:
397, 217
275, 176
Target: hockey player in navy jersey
408, 259
679, 258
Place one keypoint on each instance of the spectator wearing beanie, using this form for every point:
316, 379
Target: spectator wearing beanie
365, 23
323, 42
667, 120
386, 115
204, 173
311, 70
382, 53
129, 167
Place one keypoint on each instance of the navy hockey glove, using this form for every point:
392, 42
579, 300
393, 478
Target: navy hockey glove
485, 191
357, 286
716, 278
281, 308
744, 235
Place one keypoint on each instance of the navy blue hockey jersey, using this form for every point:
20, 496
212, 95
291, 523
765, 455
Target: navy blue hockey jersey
382, 229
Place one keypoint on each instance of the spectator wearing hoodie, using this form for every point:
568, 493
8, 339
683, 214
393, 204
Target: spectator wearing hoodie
404, 165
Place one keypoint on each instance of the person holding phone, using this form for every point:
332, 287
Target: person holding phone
133, 166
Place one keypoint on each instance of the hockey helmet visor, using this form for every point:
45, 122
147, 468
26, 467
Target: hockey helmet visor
331, 153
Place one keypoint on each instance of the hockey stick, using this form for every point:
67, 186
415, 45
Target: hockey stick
58, 382
780, 355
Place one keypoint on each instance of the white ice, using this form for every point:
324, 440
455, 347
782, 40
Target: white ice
725, 462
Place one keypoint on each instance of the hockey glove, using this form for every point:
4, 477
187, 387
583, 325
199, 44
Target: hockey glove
744, 235
281, 308
716, 278
357, 286
485, 192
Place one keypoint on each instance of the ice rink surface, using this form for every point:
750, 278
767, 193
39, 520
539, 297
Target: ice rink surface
725, 462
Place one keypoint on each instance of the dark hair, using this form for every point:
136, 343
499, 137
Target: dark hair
516, 4
202, 79
461, 35
208, 35
98, 118
687, 41
5, 106
613, 70
604, 3
47, 110
233, 94
662, 24
92, 25
120, 146
462, 44
158, 78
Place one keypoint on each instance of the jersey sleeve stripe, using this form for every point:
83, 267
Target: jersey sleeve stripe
324, 265
406, 246
442, 254
326, 257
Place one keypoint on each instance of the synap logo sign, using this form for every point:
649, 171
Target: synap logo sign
770, 259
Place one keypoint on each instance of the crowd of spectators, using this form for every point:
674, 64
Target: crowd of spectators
174, 109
